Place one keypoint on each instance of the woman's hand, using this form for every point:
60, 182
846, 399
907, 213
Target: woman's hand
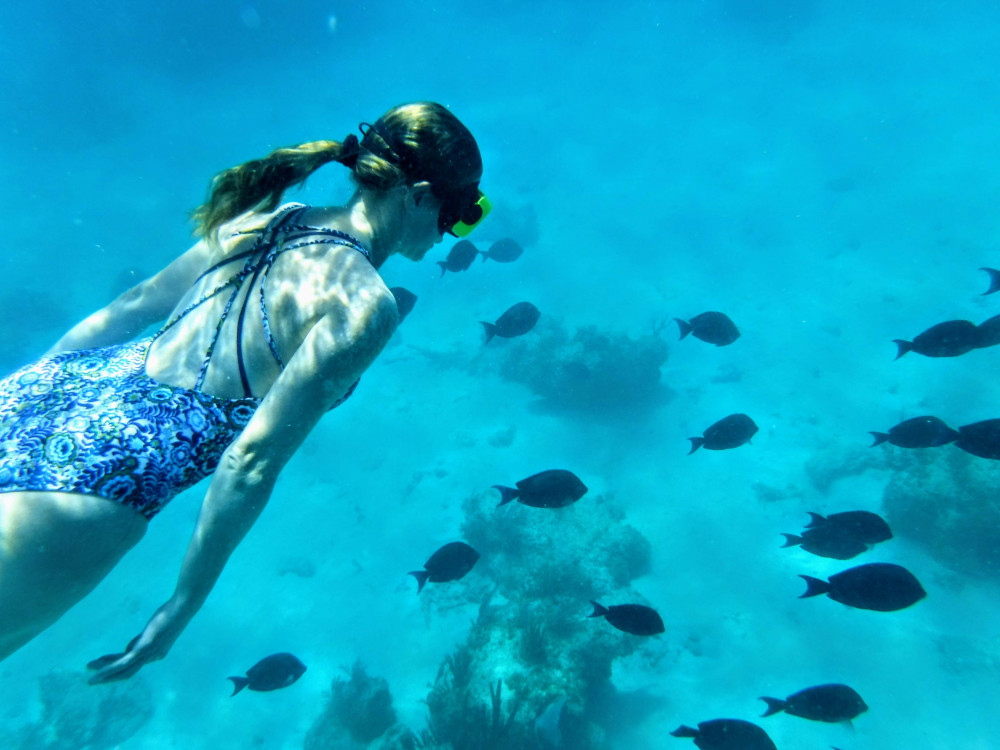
152, 644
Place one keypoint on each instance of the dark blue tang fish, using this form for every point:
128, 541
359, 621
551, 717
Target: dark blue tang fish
449, 563
270, 673
516, 321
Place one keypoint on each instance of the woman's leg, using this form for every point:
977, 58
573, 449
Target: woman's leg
54, 549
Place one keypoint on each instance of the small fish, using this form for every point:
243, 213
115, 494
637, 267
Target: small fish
270, 673
459, 258
989, 332
918, 432
449, 563
405, 300
729, 432
517, 321
503, 251
994, 280
830, 703
833, 544
981, 438
949, 339
882, 587
862, 525
712, 327
726, 734
553, 488
636, 619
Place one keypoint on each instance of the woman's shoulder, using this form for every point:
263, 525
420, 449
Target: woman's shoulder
255, 221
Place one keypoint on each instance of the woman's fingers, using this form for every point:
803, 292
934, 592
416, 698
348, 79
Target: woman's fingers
111, 667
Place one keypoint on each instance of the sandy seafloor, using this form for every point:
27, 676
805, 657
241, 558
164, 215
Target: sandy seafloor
826, 173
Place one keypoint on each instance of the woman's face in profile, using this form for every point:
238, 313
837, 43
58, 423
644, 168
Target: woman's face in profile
421, 231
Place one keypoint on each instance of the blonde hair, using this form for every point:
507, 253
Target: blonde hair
409, 143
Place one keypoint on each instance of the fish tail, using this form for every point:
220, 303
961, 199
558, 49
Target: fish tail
994, 280
904, 346
506, 494
774, 705
814, 586
599, 611
238, 684
815, 519
444, 267
491, 330
696, 443
880, 437
685, 327
421, 576
685, 731
791, 540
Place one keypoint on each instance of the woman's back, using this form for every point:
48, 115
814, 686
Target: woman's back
262, 288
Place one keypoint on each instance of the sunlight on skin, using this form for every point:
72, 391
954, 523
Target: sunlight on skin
331, 315
54, 549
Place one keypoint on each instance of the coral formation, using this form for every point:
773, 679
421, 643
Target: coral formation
943, 499
595, 371
358, 712
532, 646
77, 716
532, 656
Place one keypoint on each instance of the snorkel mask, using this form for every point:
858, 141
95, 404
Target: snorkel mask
459, 218
462, 209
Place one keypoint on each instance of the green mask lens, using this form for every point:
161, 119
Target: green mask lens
461, 224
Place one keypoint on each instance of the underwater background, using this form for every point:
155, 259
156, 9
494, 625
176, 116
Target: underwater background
825, 173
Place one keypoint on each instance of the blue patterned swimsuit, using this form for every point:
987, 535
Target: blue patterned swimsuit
93, 422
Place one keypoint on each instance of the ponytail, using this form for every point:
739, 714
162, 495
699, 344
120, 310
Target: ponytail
260, 183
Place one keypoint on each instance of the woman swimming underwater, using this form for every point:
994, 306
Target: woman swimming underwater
271, 318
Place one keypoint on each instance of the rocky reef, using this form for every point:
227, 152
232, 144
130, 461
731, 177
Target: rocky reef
941, 498
589, 370
359, 711
534, 670
947, 501
533, 664
77, 716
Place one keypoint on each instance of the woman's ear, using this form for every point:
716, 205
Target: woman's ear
421, 191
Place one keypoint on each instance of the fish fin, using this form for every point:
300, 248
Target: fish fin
599, 611
685, 327
814, 586
685, 731
444, 267
994, 280
506, 494
485, 255
238, 684
880, 437
790, 541
696, 443
491, 330
904, 347
774, 705
421, 576
815, 519
848, 723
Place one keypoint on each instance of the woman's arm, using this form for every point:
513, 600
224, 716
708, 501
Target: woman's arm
332, 357
139, 307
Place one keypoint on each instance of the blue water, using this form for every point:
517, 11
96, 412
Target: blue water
824, 172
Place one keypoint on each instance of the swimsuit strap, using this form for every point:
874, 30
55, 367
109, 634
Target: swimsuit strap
334, 238
280, 235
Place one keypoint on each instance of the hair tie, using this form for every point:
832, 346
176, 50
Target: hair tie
350, 149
